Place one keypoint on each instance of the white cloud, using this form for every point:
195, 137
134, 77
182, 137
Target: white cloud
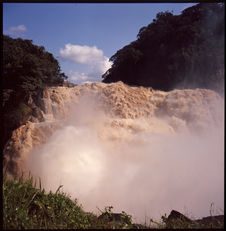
81, 78
92, 57
81, 54
78, 77
16, 30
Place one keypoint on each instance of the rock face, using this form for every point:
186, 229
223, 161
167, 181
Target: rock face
123, 110
178, 220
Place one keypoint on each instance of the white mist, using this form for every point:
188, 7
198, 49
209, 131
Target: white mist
141, 167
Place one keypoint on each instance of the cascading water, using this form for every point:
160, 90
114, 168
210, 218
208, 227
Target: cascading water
142, 151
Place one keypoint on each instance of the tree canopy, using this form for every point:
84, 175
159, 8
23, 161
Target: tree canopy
28, 68
185, 50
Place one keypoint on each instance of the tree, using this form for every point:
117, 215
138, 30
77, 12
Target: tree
185, 50
28, 68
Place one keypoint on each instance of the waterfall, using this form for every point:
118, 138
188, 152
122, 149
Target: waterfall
140, 150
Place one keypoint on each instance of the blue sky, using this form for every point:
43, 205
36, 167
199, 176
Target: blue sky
82, 36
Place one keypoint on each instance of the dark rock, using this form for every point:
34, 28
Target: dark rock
114, 217
212, 221
177, 215
37, 115
178, 220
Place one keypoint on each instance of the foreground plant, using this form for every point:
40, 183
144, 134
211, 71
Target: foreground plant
27, 207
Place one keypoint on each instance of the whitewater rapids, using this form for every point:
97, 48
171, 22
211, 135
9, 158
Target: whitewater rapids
142, 151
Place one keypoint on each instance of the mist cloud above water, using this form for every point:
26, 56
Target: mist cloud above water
141, 166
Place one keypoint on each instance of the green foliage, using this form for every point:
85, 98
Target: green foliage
25, 207
21, 112
28, 68
184, 50
111, 220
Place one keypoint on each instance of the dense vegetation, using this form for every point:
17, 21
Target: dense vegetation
175, 51
27, 70
27, 206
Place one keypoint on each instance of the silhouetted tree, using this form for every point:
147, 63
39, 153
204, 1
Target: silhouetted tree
28, 68
185, 50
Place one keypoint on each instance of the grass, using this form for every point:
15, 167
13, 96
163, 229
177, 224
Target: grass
27, 206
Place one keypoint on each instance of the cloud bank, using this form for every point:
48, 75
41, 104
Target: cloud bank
81, 54
97, 64
16, 30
